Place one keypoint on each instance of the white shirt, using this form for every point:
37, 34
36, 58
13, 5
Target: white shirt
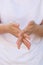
22, 12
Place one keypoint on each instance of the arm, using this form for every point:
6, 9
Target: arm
41, 22
33, 28
13, 29
39, 31
3, 28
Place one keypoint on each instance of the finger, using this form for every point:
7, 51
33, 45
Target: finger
15, 24
31, 22
26, 36
27, 43
20, 39
19, 42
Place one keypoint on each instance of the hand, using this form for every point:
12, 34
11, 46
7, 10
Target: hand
23, 38
14, 30
31, 28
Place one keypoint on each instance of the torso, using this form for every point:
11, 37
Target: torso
21, 11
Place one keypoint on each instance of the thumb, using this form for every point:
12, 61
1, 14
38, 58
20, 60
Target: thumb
15, 25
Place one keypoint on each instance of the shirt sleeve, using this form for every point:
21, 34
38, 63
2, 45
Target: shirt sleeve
39, 13
41, 9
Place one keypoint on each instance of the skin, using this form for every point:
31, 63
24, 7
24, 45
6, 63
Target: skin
13, 29
31, 28
41, 22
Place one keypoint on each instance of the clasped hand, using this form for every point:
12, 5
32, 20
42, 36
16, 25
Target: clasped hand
23, 35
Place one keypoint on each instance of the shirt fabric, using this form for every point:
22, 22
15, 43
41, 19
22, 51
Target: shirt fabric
22, 12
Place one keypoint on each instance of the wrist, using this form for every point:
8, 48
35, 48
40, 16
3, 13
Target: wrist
5, 27
36, 29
